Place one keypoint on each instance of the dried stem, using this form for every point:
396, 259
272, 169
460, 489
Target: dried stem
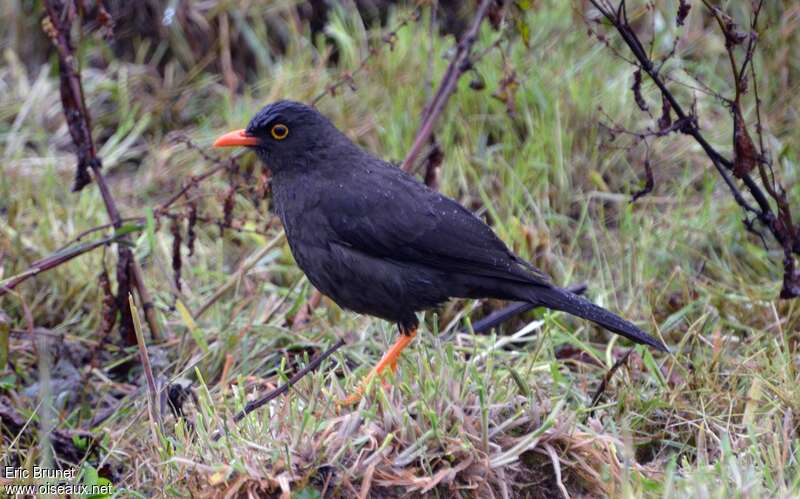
52, 261
144, 357
57, 26
779, 224
458, 66
607, 378
193, 181
347, 76
255, 404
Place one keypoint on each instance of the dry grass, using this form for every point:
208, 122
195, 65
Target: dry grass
505, 415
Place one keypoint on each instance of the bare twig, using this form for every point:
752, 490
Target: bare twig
607, 378
458, 66
193, 181
52, 261
689, 121
779, 223
57, 26
346, 77
255, 404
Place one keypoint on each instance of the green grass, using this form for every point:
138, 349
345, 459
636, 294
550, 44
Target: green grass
507, 413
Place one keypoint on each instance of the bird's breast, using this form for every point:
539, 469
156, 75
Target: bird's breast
296, 200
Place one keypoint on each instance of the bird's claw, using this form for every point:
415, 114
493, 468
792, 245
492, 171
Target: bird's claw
358, 394
389, 360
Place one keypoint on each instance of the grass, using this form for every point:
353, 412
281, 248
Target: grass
506, 414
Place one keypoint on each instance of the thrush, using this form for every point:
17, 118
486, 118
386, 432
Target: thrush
377, 241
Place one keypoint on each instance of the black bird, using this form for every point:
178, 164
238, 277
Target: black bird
379, 242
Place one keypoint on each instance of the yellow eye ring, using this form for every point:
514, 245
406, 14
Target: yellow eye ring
279, 131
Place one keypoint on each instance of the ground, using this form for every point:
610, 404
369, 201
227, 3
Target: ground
503, 414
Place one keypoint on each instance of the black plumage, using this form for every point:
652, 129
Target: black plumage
379, 242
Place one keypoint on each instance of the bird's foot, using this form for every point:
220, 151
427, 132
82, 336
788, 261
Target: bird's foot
352, 399
389, 360
358, 393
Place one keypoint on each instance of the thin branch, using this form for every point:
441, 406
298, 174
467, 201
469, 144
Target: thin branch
346, 77
193, 181
751, 43
255, 404
724, 29
52, 261
57, 26
458, 66
690, 127
607, 378
780, 225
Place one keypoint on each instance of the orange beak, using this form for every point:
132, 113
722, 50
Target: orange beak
235, 138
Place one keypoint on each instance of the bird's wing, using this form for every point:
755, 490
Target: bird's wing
389, 214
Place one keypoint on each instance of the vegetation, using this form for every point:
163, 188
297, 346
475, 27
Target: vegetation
506, 414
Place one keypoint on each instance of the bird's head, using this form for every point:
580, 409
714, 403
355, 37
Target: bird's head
286, 134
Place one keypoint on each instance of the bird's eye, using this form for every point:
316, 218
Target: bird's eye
279, 131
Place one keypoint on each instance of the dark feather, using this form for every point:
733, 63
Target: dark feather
379, 242
561, 299
395, 216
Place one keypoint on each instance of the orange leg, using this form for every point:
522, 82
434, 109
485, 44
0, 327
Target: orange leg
389, 360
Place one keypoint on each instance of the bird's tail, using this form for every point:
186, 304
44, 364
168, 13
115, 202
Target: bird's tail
563, 300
